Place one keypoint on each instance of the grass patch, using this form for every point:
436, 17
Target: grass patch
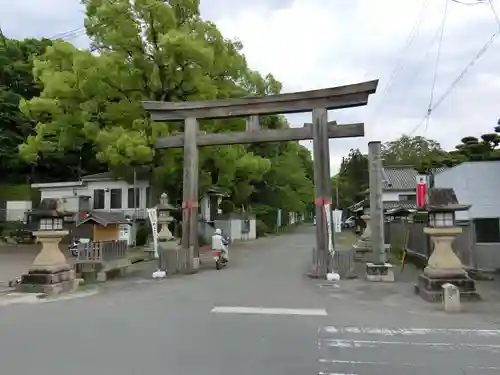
17, 192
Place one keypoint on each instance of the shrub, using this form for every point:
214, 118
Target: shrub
227, 206
141, 236
261, 228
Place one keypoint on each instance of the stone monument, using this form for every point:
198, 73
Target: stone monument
444, 266
50, 272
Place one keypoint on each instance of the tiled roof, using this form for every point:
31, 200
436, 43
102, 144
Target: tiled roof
49, 207
105, 218
141, 175
409, 205
98, 176
402, 177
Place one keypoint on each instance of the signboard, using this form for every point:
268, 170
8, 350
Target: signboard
421, 190
337, 220
328, 212
153, 219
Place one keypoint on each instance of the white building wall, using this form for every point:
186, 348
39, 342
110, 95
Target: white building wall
393, 195
475, 183
16, 210
88, 188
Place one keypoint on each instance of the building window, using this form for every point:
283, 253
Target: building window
408, 197
99, 199
115, 198
487, 230
131, 197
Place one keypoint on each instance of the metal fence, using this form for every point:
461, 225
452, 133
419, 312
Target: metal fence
20, 216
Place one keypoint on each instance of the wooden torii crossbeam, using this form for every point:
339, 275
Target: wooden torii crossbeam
317, 101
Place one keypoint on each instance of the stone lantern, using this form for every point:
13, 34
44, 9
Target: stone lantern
443, 265
164, 218
50, 272
364, 244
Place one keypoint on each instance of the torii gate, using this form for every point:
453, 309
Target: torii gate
317, 101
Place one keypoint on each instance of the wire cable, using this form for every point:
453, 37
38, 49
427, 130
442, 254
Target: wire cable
479, 54
438, 58
400, 62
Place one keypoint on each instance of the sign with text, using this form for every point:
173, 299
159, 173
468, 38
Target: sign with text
421, 190
153, 219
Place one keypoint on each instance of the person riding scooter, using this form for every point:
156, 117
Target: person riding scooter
219, 243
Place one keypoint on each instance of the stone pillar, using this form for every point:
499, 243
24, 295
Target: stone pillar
50, 272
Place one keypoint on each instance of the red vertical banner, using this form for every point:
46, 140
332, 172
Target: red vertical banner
421, 190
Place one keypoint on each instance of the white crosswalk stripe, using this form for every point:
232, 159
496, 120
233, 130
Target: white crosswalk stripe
408, 351
267, 311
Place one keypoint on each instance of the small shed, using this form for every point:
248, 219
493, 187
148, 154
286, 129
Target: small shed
100, 226
238, 226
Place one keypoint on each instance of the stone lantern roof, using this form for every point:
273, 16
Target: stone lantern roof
164, 204
444, 200
49, 207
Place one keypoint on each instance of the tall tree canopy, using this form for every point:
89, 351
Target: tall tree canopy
469, 149
90, 114
352, 179
408, 150
16, 82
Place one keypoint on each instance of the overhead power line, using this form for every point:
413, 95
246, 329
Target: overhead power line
457, 80
401, 60
438, 58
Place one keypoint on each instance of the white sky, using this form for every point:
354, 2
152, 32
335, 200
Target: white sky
311, 44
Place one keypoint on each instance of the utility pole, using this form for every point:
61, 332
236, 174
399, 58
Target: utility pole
376, 209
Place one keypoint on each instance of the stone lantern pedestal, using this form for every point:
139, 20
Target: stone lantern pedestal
444, 266
50, 272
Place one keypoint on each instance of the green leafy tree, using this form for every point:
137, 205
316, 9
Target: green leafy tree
90, 107
16, 82
352, 180
408, 150
469, 149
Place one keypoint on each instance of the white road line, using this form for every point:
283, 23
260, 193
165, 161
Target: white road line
373, 344
373, 363
412, 331
267, 311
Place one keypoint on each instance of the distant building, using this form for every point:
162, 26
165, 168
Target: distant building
399, 188
103, 193
478, 184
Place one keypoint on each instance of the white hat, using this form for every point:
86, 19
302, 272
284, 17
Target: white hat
218, 231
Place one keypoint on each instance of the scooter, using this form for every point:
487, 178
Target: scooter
73, 248
220, 260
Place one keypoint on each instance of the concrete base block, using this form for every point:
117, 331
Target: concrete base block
451, 298
101, 276
196, 263
379, 272
431, 289
49, 289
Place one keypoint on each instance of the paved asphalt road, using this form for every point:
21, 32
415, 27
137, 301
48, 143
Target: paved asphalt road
258, 316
